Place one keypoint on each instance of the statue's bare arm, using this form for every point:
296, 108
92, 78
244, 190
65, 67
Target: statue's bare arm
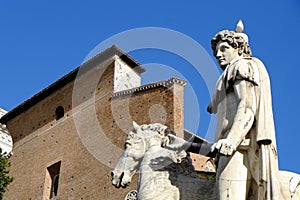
243, 120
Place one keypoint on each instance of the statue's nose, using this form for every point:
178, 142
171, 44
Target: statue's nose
218, 54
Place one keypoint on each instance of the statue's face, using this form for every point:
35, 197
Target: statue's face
225, 54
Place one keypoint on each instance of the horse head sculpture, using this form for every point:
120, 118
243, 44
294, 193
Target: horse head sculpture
140, 139
144, 150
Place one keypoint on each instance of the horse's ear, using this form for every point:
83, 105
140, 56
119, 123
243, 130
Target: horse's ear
135, 125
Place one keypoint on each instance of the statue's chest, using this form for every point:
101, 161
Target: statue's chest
228, 106
227, 109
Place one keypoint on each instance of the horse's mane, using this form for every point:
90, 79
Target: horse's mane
156, 128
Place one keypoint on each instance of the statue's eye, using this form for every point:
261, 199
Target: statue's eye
223, 48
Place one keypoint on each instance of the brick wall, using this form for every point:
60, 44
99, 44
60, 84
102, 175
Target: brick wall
94, 121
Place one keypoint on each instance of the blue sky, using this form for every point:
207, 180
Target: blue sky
43, 40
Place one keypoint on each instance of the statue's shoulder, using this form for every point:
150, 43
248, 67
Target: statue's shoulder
246, 69
245, 62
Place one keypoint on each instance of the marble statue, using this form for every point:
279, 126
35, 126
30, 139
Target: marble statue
163, 174
245, 143
245, 135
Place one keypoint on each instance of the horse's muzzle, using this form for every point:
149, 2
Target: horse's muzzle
115, 179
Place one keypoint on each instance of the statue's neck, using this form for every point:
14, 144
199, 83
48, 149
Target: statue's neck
232, 62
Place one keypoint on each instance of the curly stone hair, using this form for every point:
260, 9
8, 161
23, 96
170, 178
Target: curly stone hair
233, 39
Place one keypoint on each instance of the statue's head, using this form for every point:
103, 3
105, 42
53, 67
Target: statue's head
229, 45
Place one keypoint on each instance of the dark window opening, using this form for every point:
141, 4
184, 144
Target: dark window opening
54, 186
54, 171
59, 112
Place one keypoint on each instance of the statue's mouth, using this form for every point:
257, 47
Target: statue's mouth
221, 60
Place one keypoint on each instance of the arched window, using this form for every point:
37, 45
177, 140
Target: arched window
59, 112
53, 174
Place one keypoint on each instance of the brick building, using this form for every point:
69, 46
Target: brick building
68, 137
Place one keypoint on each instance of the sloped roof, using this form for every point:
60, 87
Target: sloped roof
104, 55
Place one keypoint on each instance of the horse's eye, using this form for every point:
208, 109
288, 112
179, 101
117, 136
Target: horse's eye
126, 145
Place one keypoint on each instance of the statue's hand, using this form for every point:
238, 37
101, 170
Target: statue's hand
224, 147
177, 143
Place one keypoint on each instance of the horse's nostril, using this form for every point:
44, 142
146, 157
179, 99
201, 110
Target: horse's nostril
112, 174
